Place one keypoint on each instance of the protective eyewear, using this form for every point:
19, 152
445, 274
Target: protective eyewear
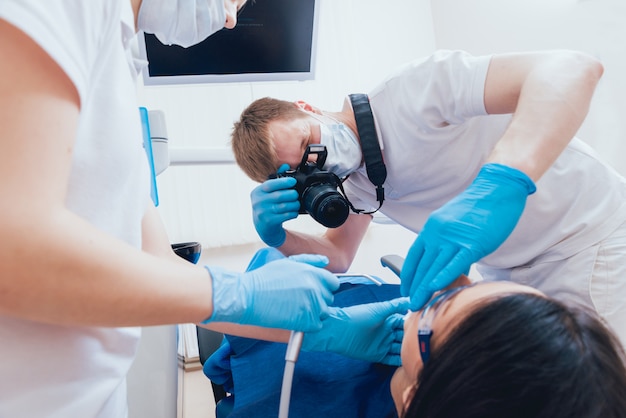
424, 331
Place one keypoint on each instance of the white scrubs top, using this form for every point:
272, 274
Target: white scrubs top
436, 135
56, 371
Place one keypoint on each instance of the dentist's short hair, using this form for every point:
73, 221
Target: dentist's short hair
251, 139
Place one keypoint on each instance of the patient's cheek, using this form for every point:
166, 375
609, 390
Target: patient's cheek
399, 383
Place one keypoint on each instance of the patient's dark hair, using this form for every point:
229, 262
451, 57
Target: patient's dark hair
524, 356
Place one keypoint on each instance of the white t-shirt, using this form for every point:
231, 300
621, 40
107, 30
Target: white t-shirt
55, 371
436, 135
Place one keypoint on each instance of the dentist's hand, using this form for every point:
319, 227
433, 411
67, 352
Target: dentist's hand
464, 230
292, 293
273, 202
372, 332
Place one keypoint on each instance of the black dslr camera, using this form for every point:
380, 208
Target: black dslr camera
317, 189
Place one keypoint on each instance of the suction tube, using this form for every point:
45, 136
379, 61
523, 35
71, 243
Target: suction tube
291, 356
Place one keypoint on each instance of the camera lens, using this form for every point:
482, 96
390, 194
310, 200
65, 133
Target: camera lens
325, 205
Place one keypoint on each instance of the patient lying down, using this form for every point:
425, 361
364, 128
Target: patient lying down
500, 349
491, 349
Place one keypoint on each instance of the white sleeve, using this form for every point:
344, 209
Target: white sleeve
447, 88
69, 31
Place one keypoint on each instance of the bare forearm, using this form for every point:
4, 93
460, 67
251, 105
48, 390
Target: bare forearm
338, 244
300, 243
552, 104
248, 331
61, 270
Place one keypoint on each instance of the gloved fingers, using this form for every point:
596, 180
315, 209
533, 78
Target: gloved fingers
445, 255
331, 285
400, 306
397, 327
315, 260
330, 282
280, 213
269, 220
275, 216
449, 265
460, 264
283, 196
392, 360
420, 291
392, 355
262, 200
419, 298
412, 259
280, 183
283, 168
398, 335
391, 309
286, 209
332, 312
276, 239
310, 319
395, 348
308, 323
277, 207
423, 272
396, 320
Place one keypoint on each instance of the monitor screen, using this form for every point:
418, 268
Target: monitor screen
274, 40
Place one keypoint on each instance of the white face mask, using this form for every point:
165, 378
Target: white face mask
181, 22
344, 150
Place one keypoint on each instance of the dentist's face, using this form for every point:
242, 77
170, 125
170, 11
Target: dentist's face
291, 137
448, 315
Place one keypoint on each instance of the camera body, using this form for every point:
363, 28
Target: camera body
317, 189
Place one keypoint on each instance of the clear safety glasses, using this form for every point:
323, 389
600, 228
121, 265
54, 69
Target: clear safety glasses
424, 329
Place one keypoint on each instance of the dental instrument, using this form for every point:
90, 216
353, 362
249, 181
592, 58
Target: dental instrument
296, 338
291, 356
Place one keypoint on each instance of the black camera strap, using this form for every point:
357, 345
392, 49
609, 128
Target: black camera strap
374, 165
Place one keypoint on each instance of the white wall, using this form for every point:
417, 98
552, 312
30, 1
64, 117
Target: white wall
594, 26
359, 42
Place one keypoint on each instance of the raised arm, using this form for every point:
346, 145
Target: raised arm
338, 244
549, 94
275, 201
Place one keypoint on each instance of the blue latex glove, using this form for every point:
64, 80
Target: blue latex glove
464, 230
292, 293
273, 202
372, 332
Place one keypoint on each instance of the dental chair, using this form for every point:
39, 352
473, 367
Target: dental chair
208, 340
250, 372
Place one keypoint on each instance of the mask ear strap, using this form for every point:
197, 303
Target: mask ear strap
374, 165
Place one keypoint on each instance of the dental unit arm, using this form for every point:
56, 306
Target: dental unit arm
393, 262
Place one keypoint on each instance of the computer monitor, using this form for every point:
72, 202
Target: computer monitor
274, 40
